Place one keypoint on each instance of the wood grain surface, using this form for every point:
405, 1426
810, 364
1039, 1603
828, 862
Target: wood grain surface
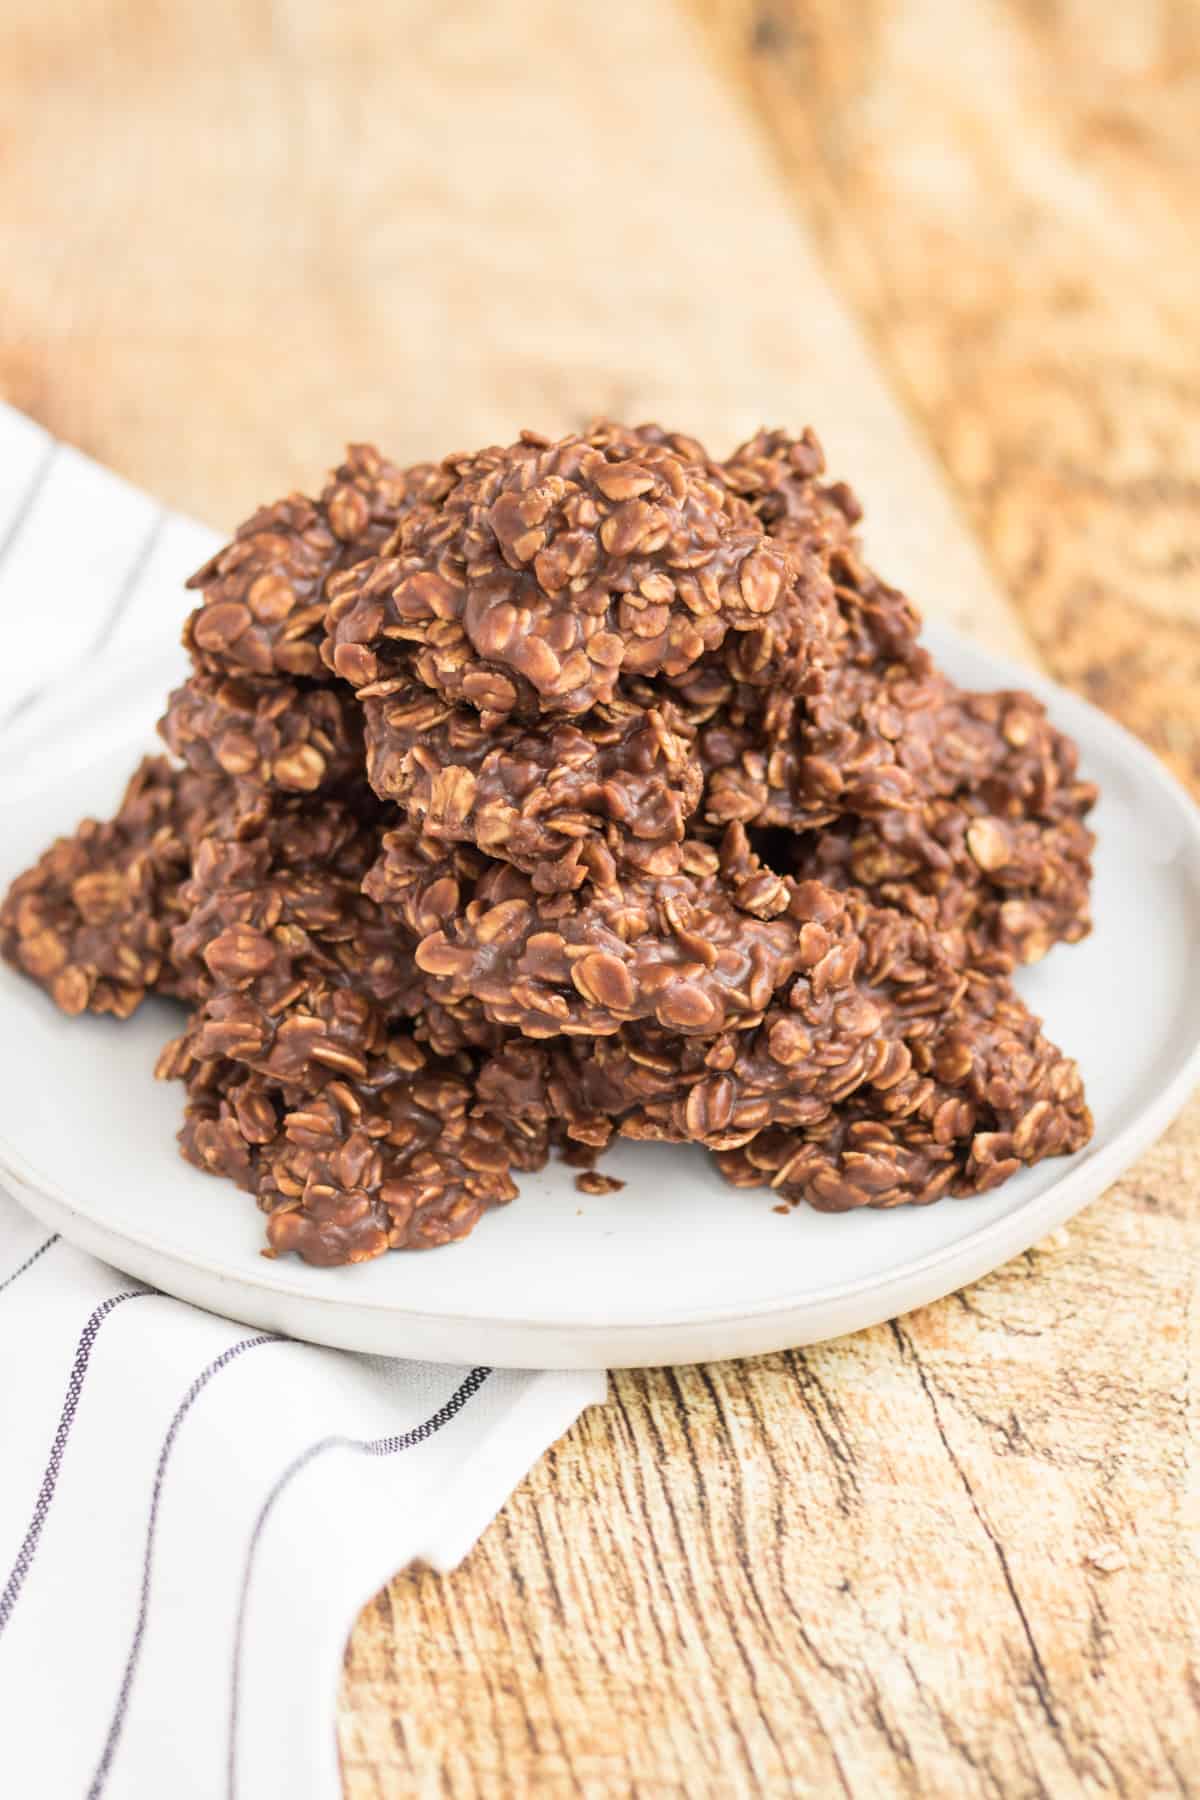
1007, 193
956, 1555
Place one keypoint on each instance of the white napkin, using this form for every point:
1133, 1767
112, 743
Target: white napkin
192, 1512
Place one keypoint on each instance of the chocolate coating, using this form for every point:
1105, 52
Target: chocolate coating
397, 1159
265, 732
262, 610
549, 570
623, 779
91, 922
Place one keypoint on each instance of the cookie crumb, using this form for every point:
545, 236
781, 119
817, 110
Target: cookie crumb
592, 1182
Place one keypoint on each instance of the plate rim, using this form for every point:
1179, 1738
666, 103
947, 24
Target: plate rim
1084, 1177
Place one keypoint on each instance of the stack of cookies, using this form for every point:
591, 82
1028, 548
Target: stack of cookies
568, 791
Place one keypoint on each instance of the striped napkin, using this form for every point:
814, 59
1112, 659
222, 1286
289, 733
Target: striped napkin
191, 1512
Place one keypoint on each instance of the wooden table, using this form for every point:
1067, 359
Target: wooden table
949, 1556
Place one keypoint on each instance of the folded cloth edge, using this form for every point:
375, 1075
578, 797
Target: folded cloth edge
551, 1403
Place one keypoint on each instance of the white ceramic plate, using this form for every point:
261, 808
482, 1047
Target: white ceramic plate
675, 1267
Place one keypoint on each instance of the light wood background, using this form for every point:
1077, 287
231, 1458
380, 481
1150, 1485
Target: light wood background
954, 1556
